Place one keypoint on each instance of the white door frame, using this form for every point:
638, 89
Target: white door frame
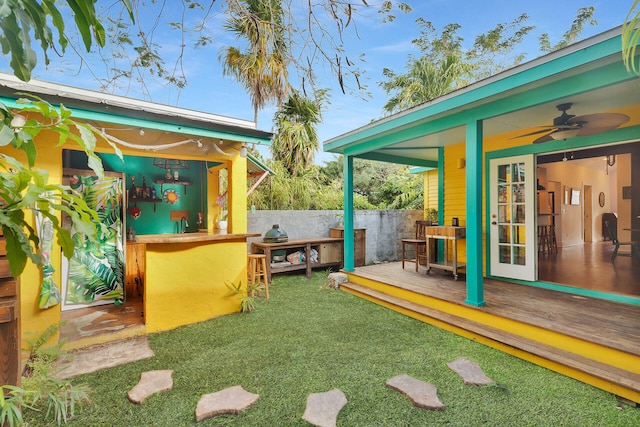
512, 222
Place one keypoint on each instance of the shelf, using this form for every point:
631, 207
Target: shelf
134, 201
163, 182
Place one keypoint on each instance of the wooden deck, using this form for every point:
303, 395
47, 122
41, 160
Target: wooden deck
593, 340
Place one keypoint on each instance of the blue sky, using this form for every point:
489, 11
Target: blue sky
384, 45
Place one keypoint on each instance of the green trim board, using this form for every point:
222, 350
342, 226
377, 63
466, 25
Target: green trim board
84, 114
389, 158
575, 291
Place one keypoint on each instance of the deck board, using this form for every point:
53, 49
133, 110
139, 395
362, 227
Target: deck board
608, 323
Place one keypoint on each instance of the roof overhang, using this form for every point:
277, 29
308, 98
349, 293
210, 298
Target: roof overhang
145, 123
590, 74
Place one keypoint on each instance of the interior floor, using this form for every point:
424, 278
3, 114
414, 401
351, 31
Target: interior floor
589, 266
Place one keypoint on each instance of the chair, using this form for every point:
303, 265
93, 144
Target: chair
613, 234
419, 245
257, 270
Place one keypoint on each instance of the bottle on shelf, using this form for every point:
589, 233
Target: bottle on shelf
134, 190
168, 175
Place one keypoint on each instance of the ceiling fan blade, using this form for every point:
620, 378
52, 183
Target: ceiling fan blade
600, 120
544, 138
546, 129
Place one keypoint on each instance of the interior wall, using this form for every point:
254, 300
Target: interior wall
623, 162
573, 176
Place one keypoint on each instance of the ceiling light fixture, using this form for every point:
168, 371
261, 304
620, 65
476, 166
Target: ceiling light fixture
243, 151
564, 134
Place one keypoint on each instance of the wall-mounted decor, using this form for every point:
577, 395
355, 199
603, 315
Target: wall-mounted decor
601, 199
575, 196
626, 192
566, 195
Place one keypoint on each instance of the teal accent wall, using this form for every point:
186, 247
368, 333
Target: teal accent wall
158, 222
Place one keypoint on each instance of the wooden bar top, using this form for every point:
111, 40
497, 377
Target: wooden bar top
191, 237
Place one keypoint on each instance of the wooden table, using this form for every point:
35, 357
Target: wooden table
445, 233
330, 250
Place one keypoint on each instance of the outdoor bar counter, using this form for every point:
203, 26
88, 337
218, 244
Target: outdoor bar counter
203, 236
187, 276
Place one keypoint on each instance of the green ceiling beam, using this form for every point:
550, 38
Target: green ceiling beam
388, 158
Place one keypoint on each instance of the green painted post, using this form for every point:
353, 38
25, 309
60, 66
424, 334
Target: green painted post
475, 280
348, 214
440, 200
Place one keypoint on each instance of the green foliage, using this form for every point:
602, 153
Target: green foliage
295, 141
40, 390
376, 186
631, 38
24, 188
19, 19
431, 215
444, 65
246, 295
584, 17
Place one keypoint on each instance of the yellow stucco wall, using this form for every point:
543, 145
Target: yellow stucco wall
181, 286
454, 183
185, 283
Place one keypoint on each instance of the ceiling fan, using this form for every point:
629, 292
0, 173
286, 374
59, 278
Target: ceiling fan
569, 125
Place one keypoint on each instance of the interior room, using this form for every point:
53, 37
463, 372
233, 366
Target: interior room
577, 192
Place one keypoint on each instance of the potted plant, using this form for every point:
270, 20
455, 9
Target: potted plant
222, 217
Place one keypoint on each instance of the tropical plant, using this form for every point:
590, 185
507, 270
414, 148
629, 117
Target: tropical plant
295, 141
246, 295
40, 390
19, 19
631, 38
262, 67
25, 188
444, 65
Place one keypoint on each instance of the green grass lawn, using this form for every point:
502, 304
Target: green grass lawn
307, 339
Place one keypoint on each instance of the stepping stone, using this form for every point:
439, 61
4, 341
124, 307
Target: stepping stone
97, 357
151, 382
323, 408
232, 400
421, 394
470, 372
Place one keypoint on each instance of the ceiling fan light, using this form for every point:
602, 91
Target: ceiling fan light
560, 135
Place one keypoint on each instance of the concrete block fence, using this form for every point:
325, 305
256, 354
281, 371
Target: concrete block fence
384, 228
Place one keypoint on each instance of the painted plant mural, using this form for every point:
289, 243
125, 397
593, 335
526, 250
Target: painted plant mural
95, 273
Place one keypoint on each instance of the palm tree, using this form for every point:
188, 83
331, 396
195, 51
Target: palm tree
296, 139
423, 82
262, 68
631, 37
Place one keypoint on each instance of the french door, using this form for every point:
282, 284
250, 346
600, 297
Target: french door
512, 198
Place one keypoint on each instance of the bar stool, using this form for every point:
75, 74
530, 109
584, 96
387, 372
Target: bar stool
257, 269
553, 243
543, 239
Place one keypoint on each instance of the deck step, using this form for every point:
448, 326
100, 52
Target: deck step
576, 362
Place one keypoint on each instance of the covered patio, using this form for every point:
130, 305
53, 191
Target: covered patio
504, 157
